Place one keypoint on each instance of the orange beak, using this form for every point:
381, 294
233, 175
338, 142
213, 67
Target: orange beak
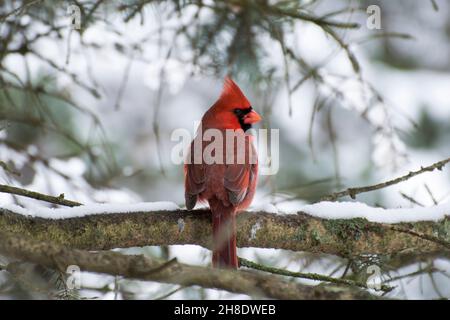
252, 117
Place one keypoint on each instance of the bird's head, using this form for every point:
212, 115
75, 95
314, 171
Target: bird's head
232, 110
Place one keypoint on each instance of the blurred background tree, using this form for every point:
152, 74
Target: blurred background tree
88, 112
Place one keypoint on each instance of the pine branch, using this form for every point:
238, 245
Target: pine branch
19, 10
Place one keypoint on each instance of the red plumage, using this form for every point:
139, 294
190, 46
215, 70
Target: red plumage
228, 187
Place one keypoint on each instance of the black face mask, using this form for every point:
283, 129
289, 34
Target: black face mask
240, 113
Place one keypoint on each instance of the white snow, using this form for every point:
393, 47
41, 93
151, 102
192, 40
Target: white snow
91, 209
266, 207
348, 210
325, 210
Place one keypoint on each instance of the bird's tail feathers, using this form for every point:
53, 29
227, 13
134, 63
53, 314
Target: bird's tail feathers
224, 236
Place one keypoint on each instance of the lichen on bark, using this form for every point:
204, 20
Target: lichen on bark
298, 232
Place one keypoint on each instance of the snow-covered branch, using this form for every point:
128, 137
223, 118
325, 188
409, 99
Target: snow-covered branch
57, 238
329, 228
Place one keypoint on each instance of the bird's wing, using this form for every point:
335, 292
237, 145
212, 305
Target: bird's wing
195, 179
240, 177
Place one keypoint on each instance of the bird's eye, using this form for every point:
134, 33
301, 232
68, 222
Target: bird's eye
237, 111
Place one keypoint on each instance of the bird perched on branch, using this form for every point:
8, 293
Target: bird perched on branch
222, 168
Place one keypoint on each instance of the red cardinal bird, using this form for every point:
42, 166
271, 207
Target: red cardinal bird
227, 186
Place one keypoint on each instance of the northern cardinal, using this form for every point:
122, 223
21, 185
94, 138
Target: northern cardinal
229, 186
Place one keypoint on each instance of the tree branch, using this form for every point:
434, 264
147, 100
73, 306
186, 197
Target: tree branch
320, 21
19, 10
299, 232
38, 196
147, 268
310, 276
352, 192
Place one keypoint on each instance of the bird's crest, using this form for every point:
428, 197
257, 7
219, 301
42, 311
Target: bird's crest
232, 95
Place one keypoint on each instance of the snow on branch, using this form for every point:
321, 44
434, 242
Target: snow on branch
331, 228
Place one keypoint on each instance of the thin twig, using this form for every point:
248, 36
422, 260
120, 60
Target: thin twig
429, 269
123, 84
352, 192
421, 235
411, 199
39, 196
435, 5
430, 194
332, 135
170, 293
9, 169
311, 18
310, 276
162, 267
19, 10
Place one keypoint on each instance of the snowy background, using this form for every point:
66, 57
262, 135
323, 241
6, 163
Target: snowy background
374, 139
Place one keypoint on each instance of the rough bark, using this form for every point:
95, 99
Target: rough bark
293, 232
147, 268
